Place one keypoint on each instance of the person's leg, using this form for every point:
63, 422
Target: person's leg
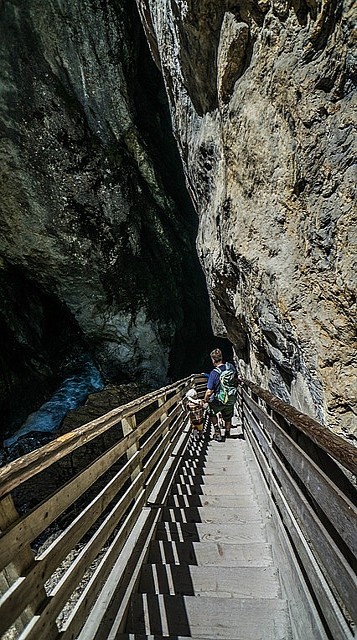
217, 433
227, 414
199, 428
227, 427
214, 407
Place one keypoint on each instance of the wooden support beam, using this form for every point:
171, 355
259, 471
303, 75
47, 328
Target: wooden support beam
129, 426
20, 565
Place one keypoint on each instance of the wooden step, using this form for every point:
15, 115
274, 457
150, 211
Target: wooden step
217, 488
227, 582
141, 636
222, 465
255, 554
212, 514
197, 477
203, 617
221, 471
201, 532
234, 453
194, 455
202, 500
224, 455
234, 458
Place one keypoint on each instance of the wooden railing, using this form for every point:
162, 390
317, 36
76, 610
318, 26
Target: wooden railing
310, 473
77, 514
56, 555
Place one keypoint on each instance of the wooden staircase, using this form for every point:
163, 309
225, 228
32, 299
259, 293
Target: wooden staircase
132, 529
210, 571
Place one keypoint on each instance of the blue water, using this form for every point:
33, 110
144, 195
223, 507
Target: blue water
71, 394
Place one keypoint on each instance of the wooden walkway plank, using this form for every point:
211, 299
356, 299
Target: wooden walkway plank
212, 515
204, 557
219, 618
235, 501
213, 581
217, 559
254, 554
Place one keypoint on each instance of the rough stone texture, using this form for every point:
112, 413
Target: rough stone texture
96, 229
260, 95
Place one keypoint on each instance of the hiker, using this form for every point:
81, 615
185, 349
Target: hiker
195, 408
221, 393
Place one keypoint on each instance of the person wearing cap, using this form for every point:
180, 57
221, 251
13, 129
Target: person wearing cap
194, 406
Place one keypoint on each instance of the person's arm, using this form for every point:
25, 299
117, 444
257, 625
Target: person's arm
208, 394
210, 386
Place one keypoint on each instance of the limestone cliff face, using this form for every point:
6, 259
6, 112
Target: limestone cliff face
96, 229
260, 95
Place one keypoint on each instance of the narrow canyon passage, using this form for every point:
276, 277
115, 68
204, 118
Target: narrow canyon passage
170, 174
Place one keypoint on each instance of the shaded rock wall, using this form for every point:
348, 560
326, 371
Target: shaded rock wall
260, 94
97, 231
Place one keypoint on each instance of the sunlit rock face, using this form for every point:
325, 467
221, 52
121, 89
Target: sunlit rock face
260, 95
97, 232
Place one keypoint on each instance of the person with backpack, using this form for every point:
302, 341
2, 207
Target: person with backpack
221, 393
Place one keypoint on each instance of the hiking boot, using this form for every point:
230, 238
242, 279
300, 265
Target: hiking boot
217, 436
228, 433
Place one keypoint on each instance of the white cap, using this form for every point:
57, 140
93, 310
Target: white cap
191, 394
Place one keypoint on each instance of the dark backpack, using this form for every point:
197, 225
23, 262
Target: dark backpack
228, 381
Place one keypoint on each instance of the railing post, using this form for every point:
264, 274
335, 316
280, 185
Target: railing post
128, 425
241, 408
161, 401
19, 567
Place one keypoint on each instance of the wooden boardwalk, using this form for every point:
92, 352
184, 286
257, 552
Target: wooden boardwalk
210, 571
159, 536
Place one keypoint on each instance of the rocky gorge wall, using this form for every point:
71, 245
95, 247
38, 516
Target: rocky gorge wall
97, 232
260, 93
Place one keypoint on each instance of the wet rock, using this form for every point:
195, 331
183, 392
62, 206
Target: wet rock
102, 402
47, 482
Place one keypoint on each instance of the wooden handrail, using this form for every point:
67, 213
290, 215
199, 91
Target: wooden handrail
125, 491
342, 451
135, 463
313, 497
21, 469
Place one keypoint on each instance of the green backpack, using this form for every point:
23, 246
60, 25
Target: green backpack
227, 393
